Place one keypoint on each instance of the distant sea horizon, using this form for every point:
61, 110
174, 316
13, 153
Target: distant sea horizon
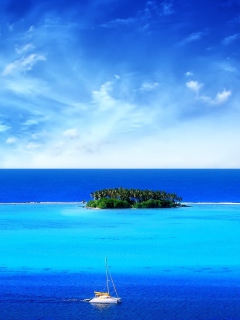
75, 185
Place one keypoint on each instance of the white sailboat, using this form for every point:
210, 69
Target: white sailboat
105, 297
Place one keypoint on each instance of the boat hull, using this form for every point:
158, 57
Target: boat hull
107, 300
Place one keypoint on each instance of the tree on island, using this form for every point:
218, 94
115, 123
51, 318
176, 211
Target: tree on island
133, 198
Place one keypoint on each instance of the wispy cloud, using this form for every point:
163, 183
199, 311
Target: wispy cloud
149, 86
143, 18
71, 133
234, 21
228, 40
229, 66
167, 7
195, 36
86, 83
32, 146
24, 48
31, 122
120, 23
4, 127
23, 64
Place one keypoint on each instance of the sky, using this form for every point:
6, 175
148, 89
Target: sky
119, 84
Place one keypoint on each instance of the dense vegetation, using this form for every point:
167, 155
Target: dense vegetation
133, 198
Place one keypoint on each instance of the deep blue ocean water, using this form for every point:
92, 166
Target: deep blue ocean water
195, 185
170, 264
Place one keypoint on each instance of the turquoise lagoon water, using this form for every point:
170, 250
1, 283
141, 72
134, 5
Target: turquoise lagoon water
179, 263
70, 237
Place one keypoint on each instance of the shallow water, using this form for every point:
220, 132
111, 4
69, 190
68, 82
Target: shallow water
179, 263
69, 237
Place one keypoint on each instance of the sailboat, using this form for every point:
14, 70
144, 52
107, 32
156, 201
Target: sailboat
105, 297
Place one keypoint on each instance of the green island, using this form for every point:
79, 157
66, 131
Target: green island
120, 198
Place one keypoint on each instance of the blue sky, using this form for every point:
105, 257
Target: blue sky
119, 84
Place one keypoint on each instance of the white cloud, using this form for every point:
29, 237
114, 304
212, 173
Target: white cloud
223, 96
11, 140
220, 98
102, 97
203, 147
188, 74
23, 64
71, 133
194, 85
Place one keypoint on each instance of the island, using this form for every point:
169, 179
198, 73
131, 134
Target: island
133, 198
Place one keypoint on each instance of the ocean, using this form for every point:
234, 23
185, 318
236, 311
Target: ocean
64, 185
170, 264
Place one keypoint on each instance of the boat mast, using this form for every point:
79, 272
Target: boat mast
113, 284
107, 274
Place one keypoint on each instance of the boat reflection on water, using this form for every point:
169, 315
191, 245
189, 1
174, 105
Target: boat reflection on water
103, 306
